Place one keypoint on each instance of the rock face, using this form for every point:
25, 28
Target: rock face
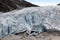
58, 4
9, 5
33, 19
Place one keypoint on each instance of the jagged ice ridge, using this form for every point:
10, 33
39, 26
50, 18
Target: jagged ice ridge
36, 19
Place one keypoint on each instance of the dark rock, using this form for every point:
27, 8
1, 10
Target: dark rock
58, 4
9, 5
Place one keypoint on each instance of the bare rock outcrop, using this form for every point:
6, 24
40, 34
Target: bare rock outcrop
9, 5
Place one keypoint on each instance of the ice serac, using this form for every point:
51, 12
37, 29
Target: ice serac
37, 19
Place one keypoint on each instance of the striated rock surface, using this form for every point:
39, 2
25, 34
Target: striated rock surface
9, 5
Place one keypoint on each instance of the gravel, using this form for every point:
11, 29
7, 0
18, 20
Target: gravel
41, 36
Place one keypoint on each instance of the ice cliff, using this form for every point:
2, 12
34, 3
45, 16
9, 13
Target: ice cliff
37, 19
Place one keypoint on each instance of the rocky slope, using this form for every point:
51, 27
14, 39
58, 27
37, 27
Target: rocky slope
9, 5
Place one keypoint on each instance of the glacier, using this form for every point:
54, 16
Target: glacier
37, 19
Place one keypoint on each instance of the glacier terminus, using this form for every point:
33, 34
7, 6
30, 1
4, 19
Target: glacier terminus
37, 19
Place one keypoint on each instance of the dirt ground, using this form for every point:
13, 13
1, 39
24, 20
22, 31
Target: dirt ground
41, 36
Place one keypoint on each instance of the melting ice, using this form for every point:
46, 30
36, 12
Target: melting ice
36, 19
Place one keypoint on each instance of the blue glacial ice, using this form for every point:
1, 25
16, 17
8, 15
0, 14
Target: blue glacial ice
36, 19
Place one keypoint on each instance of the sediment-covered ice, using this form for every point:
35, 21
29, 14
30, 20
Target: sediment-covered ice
36, 19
